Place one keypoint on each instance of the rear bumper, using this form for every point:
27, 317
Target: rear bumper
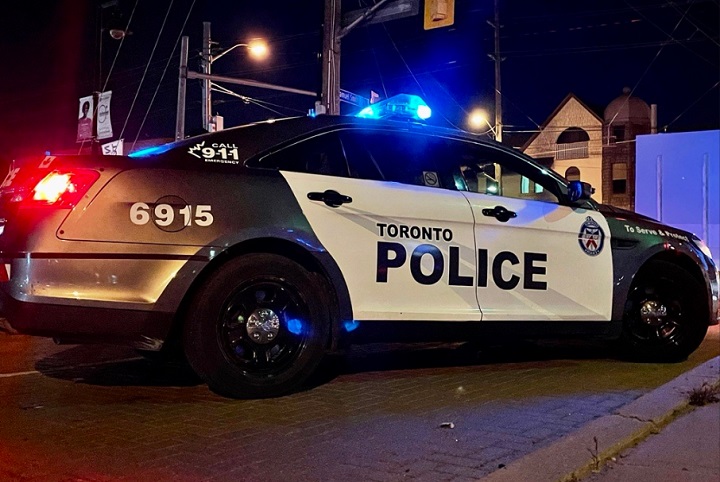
72, 323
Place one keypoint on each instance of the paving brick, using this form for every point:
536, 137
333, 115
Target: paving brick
119, 421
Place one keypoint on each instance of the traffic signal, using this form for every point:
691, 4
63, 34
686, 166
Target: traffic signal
439, 13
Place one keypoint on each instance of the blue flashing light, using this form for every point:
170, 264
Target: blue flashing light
368, 112
295, 326
424, 112
351, 325
404, 106
152, 151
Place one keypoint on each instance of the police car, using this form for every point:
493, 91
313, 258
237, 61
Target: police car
258, 249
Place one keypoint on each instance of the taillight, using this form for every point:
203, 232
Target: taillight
62, 188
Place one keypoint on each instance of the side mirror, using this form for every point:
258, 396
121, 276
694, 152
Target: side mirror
578, 191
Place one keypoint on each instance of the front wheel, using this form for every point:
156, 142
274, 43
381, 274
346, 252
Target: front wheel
665, 314
258, 327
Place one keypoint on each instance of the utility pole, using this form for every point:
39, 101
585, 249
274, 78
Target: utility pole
331, 58
206, 61
207, 78
332, 36
498, 59
182, 88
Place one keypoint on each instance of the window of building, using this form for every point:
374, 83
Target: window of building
572, 173
618, 133
619, 178
572, 144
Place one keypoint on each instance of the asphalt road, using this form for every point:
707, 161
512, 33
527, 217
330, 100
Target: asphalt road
379, 412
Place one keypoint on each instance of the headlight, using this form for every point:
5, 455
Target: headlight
702, 247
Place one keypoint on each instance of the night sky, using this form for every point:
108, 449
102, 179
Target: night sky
667, 51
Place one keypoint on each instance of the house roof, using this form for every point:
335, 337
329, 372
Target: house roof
555, 112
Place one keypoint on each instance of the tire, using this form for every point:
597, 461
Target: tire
258, 327
665, 315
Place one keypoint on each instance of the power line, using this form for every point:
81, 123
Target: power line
691, 105
152, 53
172, 54
649, 65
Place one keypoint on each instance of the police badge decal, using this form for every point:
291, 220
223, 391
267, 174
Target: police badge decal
591, 237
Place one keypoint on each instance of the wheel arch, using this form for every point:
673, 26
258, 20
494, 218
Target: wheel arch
320, 263
685, 262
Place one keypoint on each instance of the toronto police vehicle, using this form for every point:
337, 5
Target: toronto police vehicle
258, 249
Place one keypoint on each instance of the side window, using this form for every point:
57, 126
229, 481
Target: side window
401, 157
486, 170
321, 154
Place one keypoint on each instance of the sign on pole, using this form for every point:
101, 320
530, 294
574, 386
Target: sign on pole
354, 99
392, 10
114, 148
85, 119
104, 126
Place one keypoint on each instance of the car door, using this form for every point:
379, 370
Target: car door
403, 242
537, 258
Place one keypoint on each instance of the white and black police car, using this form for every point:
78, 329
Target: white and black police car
260, 248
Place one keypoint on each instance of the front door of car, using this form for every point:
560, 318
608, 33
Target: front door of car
537, 259
403, 242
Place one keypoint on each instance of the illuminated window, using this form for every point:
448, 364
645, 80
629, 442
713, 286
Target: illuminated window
572, 173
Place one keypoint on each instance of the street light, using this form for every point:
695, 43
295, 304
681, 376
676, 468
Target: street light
478, 119
257, 48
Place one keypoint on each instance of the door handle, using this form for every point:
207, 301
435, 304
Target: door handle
330, 198
500, 213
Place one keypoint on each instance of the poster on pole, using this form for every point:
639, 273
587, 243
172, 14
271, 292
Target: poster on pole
114, 148
85, 119
104, 126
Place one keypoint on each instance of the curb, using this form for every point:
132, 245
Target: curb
588, 448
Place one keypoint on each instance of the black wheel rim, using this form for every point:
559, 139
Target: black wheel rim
658, 314
264, 327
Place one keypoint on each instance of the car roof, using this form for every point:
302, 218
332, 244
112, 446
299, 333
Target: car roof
255, 138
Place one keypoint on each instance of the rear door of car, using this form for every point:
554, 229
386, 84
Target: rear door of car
400, 233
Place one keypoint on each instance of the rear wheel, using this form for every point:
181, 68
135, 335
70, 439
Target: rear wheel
665, 315
258, 327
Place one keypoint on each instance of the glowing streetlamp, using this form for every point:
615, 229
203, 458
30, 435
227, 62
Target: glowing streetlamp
257, 47
478, 119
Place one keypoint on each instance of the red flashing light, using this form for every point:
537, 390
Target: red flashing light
63, 189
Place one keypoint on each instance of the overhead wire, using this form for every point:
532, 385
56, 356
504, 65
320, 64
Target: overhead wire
397, 50
112, 66
258, 102
172, 54
142, 80
676, 40
690, 21
649, 65
691, 105
122, 41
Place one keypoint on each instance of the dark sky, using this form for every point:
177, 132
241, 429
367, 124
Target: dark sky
668, 51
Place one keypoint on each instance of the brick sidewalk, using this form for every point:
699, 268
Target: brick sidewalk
376, 415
